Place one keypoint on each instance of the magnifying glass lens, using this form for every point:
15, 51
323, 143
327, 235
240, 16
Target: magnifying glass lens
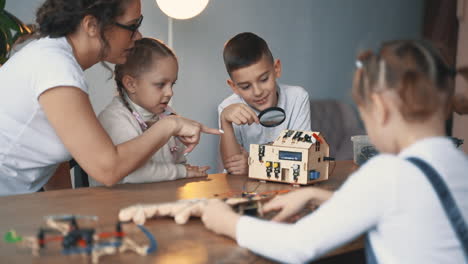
271, 117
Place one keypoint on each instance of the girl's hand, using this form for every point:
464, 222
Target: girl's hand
188, 131
292, 203
220, 218
239, 114
196, 171
288, 204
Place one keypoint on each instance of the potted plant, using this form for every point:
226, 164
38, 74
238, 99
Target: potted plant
11, 29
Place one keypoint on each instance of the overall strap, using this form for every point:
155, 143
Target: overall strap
370, 255
448, 203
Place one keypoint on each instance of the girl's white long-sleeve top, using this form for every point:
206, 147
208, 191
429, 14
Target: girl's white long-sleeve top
390, 199
121, 125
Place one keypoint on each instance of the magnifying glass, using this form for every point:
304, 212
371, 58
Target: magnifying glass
272, 116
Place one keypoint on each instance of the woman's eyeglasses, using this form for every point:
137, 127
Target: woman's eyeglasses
133, 27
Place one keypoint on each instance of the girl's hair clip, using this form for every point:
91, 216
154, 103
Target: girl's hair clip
359, 64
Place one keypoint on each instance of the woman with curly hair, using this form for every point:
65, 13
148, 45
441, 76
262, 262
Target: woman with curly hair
45, 110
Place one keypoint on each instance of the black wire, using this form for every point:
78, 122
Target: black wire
244, 189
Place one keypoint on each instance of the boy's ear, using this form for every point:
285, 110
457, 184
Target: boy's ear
277, 66
232, 85
129, 83
90, 25
381, 109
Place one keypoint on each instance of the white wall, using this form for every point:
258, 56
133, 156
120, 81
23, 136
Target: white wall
316, 40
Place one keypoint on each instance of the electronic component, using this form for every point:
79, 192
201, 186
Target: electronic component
289, 155
297, 157
261, 152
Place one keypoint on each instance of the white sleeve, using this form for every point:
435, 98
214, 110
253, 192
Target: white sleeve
235, 127
153, 171
220, 110
300, 117
57, 69
354, 209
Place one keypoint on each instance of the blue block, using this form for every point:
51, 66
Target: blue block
313, 175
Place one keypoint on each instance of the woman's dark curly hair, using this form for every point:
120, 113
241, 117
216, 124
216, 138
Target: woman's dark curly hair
58, 18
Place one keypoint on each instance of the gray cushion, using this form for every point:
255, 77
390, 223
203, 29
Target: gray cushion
337, 121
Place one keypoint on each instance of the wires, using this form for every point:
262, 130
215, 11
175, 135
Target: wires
153, 244
244, 187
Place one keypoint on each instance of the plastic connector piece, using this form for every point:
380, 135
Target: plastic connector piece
317, 137
314, 175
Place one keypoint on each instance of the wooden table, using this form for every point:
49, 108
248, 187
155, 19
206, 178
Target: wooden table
190, 243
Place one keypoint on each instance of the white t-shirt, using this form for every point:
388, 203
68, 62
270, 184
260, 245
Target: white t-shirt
166, 164
30, 150
390, 198
295, 102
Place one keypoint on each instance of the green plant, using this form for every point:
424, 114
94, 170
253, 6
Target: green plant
11, 28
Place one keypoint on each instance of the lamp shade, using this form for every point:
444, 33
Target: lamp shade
182, 9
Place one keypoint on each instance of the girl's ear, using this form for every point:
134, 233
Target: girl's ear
129, 84
380, 109
277, 66
90, 25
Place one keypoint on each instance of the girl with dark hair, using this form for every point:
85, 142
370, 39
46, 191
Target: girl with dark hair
45, 111
145, 85
404, 94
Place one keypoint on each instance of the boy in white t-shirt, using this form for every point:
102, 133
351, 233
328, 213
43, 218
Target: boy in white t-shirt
253, 72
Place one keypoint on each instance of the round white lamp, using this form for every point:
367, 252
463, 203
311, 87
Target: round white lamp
182, 9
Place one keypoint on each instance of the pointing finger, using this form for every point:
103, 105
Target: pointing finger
209, 130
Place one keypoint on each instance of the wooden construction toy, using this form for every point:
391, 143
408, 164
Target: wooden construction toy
77, 240
295, 157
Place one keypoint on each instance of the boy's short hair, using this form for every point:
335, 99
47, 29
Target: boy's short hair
244, 49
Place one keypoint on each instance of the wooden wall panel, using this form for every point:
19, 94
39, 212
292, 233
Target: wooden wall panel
460, 123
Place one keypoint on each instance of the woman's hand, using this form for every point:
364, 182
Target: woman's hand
196, 171
188, 131
220, 218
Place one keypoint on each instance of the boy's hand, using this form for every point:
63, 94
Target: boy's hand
196, 171
239, 114
220, 218
238, 164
